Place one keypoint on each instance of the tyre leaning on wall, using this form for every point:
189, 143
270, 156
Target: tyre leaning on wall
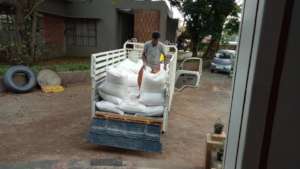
9, 83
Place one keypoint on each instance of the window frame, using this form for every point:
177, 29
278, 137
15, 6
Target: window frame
81, 32
7, 22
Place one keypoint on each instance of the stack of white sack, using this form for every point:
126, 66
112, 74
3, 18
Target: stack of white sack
120, 84
115, 86
120, 90
152, 96
113, 90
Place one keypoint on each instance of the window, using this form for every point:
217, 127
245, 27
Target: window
81, 32
223, 55
6, 22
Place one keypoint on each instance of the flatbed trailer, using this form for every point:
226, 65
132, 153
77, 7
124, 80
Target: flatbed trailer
128, 131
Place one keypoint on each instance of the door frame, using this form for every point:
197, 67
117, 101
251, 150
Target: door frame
260, 32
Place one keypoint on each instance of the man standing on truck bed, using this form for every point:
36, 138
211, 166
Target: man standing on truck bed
151, 55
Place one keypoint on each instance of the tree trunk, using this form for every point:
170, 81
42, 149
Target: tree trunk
15, 55
195, 47
24, 49
33, 36
212, 48
195, 51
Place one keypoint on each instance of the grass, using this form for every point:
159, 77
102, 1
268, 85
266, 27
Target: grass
3, 69
58, 65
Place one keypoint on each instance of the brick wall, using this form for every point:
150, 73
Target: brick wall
53, 31
145, 22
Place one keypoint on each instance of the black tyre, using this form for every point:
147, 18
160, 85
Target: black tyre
11, 85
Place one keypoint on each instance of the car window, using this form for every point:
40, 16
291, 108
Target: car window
224, 56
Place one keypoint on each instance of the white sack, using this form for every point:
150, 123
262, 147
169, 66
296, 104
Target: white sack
153, 82
132, 79
154, 111
133, 92
130, 106
130, 65
134, 56
116, 76
108, 107
152, 88
152, 99
110, 98
118, 90
116, 83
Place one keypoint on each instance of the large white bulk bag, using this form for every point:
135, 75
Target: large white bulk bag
130, 65
110, 98
130, 69
152, 88
116, 76
132, 106
133, 92
154, 111
152, 99
118, 90
108, 107
116, 83
153, 82
134, 56
132, 79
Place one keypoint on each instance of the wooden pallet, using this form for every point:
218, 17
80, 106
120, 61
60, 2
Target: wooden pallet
129, 118
52, 88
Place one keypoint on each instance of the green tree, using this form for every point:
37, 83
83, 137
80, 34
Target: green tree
221, 10
22, 48
205, 17
232, 23
231, 26
196, 15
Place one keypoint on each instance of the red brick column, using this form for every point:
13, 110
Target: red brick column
54, 36
145, 22
54, 28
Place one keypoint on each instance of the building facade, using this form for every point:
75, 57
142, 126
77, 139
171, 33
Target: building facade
82, 27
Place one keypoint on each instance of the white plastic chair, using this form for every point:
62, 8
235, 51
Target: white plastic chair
195, 72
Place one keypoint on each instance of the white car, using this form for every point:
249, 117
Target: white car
223, 61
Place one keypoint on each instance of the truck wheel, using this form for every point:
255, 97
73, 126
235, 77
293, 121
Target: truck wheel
11, 85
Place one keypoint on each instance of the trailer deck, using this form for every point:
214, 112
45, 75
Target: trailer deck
128, 132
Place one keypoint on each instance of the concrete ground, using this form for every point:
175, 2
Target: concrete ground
40, 130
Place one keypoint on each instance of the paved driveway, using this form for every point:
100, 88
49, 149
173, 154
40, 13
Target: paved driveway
40, 130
